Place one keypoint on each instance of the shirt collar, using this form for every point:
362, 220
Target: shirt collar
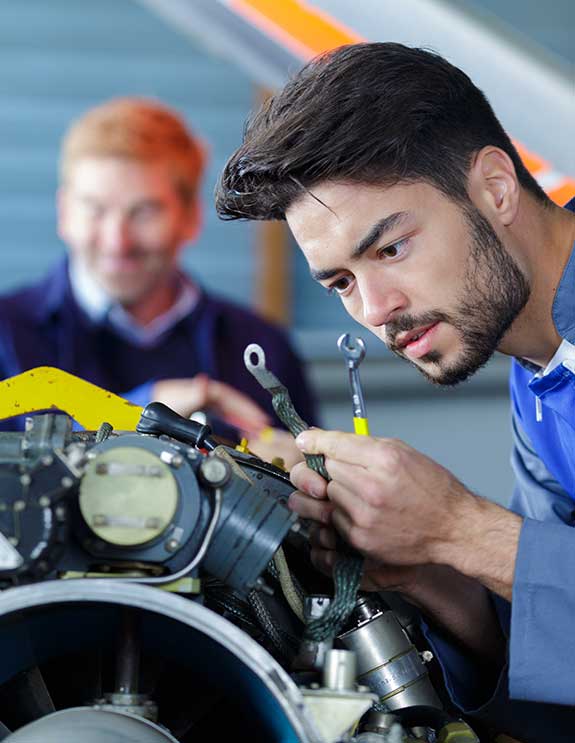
98, 306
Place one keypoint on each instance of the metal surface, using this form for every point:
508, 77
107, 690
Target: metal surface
91, 726
339, 670
261, 672
387, 661
47, 388
264, 376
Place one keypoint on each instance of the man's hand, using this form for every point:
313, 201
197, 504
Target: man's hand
399, 508
186, 396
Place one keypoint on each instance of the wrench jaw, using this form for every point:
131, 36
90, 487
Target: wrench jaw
353, 351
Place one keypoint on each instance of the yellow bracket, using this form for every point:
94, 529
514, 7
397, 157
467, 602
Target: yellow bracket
47, 388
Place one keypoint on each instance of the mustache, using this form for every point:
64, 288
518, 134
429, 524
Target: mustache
405, 323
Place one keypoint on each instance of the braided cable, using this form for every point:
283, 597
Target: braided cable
349, 564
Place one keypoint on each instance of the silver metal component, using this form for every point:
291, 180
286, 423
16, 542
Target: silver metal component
354, 352
173, 459
10, 558
92, 725
172, 545
66, 482
311, 654
19, 505
387, 661
262, 586
134, 704
215, 471
426, 656
44, 501
315, 605
265, 377
339, 670
47, 460
25, 480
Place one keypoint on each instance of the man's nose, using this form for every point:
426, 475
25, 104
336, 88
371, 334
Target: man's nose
380, 303
115, 235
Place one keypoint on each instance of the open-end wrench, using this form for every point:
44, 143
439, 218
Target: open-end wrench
354, 351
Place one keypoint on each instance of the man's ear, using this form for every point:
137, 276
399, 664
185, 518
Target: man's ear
493, 185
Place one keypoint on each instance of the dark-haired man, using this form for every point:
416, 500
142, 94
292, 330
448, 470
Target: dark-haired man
410, 202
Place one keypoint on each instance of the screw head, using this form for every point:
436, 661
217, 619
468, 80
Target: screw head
215, 471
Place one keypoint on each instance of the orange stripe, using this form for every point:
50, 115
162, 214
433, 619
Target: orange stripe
306, 31
532, 162
564, 193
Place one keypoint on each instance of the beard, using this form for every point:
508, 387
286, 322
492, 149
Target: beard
495, 291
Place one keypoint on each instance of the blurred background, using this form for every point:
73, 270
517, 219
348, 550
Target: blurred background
215, 61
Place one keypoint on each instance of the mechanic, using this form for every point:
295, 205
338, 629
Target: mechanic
119, 311
412, 205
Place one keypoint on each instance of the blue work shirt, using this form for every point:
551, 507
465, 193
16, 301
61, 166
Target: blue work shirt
534, 698
43, 325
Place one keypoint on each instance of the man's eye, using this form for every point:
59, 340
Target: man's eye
339, 286
394, 250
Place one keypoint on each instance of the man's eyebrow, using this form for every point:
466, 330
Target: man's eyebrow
376, 232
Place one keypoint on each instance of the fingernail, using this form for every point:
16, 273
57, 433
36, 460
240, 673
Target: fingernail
301, 441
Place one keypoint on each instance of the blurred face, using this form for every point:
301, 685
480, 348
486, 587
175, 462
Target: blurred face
431, 280
125, 222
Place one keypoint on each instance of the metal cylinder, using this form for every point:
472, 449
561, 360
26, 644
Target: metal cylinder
91, 726
387, 661
339, 670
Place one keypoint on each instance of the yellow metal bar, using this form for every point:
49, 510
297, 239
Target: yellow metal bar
47, 388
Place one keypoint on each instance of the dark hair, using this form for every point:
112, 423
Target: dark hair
379, 113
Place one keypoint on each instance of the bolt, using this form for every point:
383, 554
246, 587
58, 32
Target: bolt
44, 501
66, 482
426, 656
171, 459
19, 505
172, 545
47, 460
215, 471
25, 480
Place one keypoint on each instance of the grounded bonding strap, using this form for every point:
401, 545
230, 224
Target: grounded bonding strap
348, 568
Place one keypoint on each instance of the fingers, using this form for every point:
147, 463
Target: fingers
311, 508
308, 481
349, 447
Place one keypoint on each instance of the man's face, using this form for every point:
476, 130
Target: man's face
431, 280
125, 222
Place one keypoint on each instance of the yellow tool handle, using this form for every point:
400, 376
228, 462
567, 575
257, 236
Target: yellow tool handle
361, 426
